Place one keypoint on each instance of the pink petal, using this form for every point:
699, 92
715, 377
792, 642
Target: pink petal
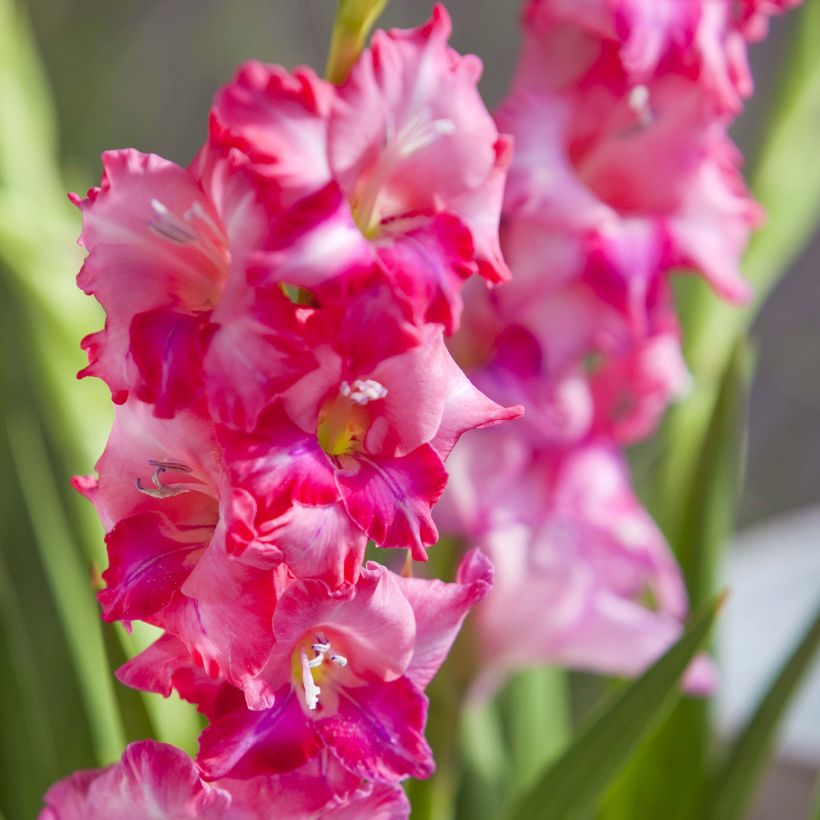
167, 347
279, 464
246, 743
148, 562
167, 665
279, 120
391, 498
466, 408
418, 382
152, 780
319, 542
372, 621
313, 243
429, 257
409, 126
377, 731
440, 609
224, 619
254, 357
135, 262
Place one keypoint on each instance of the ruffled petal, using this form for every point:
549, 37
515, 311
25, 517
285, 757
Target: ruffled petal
378, 731
249, 743
440, 609
391, 498
153, 780
149, 559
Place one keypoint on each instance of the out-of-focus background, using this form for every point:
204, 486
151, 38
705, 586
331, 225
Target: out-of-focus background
141, 73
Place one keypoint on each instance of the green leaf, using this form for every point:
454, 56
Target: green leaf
734, 785
354, 19
70, 586
676, 752
538, 721
572, 786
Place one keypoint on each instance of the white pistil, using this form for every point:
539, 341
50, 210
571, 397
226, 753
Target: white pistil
363, 391
339, 660
312, 691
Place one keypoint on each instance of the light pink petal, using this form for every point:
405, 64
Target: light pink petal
224, 619
712, 228
313, 243
253, 358
409, 130
153, 781
319, 542
145, 253
480, 210
632, 391
382, 801
467, 408
138, 442
278, 119
619, 637
440, 609
167, 665
371, 624
319, 788
418, 383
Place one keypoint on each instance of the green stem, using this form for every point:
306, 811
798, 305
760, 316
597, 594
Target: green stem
354, 19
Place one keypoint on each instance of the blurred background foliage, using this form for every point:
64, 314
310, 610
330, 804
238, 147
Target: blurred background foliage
81, 76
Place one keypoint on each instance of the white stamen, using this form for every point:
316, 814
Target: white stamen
161, 490
363, 391
421, 132
639, 103
339, 660
169, 226
317, 661
321, 646
312, 691
196, 211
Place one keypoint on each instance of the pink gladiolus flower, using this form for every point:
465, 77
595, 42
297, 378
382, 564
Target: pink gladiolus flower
348, 670
579, 178
168, 251
366, 433
402, 167
162, 497
705, 39
583, 576
154, 781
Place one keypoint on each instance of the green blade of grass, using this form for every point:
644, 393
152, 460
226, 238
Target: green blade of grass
733, 786
573, 785
69, 584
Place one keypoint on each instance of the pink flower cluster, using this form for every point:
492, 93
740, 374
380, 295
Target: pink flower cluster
274, 343
623, 175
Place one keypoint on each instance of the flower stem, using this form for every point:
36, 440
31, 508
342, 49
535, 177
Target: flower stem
354, 19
